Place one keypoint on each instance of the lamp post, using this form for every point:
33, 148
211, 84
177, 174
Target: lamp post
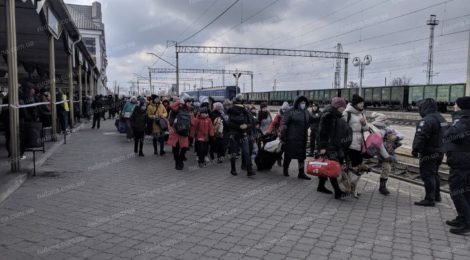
361, 64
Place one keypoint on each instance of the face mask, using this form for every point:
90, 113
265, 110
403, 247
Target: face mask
302, 106
142, 107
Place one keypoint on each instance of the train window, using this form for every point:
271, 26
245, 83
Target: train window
377, 94
430, 92
385, 94
416, 93
368, 94
397, 94
443, 93
456, 91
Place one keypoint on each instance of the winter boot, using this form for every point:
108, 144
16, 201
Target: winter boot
383, 186
250, 171
321, 186
136, 146
233, 167
155, 146
302, 174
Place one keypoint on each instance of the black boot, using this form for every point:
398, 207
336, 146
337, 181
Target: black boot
457, 222
425, 203
155, 145
321, 186
302, 174
233, 167
136, 146
285, 167
462, 230
162, 146
383, 186
339, 194
250, 171
141, 148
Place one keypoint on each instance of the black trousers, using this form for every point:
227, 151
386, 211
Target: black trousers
459, 183
428, 170
313, 137
217, 147
96, 120
178, 153
355, 157
202, 150
138, 141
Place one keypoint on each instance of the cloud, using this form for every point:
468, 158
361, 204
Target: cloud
134, 28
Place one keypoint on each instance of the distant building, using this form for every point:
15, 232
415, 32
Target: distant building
89, 21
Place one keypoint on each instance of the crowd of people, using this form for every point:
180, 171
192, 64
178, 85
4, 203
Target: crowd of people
236, 130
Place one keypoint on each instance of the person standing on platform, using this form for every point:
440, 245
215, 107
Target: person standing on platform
239, 123
316, 114
294, 133
97, 107
203, 131
156, 112
126, 115
180, 122
428, 147
354, 116
264, 118
330, 142
138, 123
457, 142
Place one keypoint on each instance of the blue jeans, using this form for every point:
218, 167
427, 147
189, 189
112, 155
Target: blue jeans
238, 142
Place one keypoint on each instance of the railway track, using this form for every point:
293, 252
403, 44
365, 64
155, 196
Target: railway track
407, 169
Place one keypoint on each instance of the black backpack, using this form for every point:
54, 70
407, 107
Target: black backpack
343, 133
183, 123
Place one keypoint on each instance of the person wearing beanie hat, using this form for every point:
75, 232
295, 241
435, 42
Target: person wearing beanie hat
354, 116
264, 118
457, 142
329, 141
316, 114
220, 132
202, 134
240, 124
463, 103
428, 147
356, 102
157, 113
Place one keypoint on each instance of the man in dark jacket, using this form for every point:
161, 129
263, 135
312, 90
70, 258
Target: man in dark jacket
138, 124
294, 132
457, 143
328, 142
240, 124
428, 147
97, 107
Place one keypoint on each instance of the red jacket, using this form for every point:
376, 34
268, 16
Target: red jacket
203, 129
275, 126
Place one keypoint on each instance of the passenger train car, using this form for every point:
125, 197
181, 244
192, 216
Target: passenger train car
389, 97
217, 93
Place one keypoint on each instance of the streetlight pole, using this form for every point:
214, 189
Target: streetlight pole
361, 64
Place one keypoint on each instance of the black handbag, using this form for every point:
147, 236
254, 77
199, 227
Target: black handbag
163, 123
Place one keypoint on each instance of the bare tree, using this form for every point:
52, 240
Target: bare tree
352, 84
401, 81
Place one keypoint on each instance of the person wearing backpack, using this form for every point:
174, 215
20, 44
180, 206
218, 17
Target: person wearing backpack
294, 135
180, 122
428, 147
316, 114
354, 116
334, 136
138, 123
239, 124
202, 134
219, 124
457, 141
156, 112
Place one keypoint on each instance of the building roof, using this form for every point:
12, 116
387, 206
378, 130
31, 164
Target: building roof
81, 15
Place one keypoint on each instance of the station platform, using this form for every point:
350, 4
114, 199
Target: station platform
95, 199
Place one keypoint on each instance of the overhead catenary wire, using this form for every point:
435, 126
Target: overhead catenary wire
211, 22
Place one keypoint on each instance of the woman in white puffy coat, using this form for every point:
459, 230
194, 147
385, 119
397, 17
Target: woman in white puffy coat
353, 114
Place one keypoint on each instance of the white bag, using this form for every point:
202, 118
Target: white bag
273, 146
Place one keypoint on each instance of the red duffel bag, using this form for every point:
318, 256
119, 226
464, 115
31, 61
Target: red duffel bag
324, 168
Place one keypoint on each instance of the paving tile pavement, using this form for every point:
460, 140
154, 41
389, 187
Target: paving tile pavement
93, 199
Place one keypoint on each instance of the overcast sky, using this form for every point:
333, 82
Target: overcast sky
393, 32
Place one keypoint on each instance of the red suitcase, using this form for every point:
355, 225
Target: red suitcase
324, 168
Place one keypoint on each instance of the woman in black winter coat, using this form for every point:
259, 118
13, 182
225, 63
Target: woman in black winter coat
138, 124
316, 114
294, 133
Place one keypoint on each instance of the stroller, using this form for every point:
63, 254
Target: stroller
269, 152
